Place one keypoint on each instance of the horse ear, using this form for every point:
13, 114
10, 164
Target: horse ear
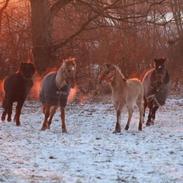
108, 65
156, 60
163, 60
64, 63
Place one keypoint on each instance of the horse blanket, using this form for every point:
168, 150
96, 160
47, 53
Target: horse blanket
153, 89
50, 94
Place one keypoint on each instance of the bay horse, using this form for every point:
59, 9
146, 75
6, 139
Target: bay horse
55, 90
125, 92
156, 84
16, 88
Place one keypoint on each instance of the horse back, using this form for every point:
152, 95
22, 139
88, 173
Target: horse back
135, 88
16, 87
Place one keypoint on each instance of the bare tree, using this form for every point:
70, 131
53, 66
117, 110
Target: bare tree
42, 20
5, 4
129, 33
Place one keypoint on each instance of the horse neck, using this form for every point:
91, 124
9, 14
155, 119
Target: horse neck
119, 80
60, 79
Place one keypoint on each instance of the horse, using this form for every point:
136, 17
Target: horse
16, 88
55, 90
125, 92
156, 84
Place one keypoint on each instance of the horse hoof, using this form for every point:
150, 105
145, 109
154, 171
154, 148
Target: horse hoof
3, 118
140, 128
9, 119
126, 127
43, 128
17, 122
64, 131
117, 131
148, 124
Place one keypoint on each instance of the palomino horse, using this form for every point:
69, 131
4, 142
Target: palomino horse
156, 85
17, 87
55, 90
124, 92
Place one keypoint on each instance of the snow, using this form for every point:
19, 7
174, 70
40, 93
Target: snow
90, 152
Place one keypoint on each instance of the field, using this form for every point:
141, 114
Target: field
90, 152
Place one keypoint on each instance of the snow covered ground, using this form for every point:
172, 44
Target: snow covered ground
90, 152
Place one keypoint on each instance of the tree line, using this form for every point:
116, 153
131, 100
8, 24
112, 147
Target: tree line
130, 33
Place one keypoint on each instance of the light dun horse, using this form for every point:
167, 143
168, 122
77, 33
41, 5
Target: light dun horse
55, 91
156, 85
127, 92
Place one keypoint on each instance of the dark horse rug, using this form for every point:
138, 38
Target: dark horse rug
158, 91
51, 94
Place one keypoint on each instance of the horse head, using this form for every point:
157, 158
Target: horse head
68, 70
27, 70
159, 64
106, 73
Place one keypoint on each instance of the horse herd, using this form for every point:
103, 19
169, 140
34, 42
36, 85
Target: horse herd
151, 92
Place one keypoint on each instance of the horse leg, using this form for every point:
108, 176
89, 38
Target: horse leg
3, 116
46, 116
18, 112
64, 129
141, 113
10, 106
130, 112
145, 105
150, 114
118, 127
5, 111
154, 109
52, 112
149, 117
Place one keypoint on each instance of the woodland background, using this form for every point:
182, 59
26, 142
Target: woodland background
130, 33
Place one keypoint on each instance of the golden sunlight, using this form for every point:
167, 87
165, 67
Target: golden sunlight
72, 94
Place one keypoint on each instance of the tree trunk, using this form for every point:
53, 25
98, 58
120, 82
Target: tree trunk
41, 34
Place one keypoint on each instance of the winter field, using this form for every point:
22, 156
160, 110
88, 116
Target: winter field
90, 152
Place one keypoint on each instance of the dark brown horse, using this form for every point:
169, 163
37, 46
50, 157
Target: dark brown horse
16, 87
156, 85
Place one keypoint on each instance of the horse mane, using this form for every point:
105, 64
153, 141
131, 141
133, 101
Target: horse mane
60, 78
119, 72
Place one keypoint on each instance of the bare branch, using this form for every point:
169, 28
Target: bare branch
83, 27
59, 45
